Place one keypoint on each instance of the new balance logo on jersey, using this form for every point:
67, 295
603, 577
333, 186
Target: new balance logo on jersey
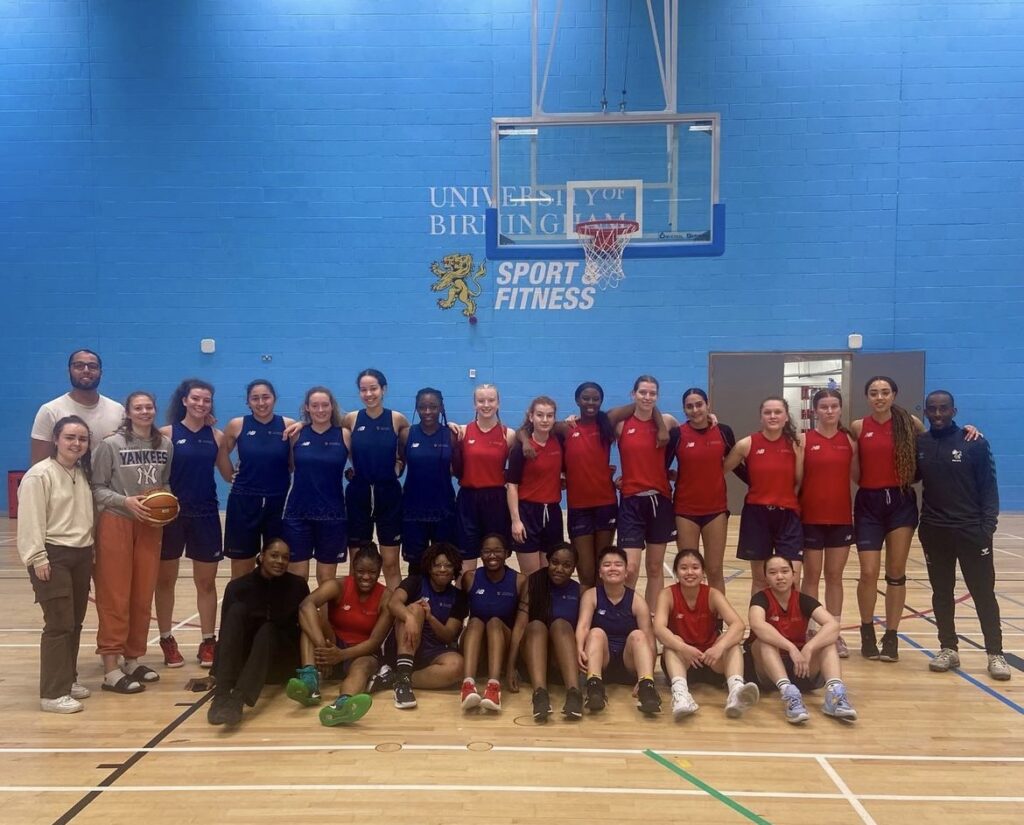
472, 441
760, 451
415, 444
602, 612
631, 430
251, 432
346, 607
181, 441
360, 429
577, 434
815, 446
869, 435
957, 456
305, 443
480, 592
690, 444
773, 618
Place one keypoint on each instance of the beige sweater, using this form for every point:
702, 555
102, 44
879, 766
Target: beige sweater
54, 507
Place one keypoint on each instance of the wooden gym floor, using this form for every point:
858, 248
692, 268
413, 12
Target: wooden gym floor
927, 747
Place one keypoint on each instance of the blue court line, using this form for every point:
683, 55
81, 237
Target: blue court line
994, 693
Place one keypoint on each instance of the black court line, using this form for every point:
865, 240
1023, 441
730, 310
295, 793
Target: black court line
1012, 659
124, 767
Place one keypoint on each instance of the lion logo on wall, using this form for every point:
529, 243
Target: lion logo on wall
455, 273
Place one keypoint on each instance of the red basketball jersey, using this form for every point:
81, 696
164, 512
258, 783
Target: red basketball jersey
643, 461
352, 619
542, 477
483, 457
772, 468
825, 491
700, 626
789, 621
588, 479
700, 489
877, 455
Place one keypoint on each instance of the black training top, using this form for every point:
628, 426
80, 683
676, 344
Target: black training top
959, 480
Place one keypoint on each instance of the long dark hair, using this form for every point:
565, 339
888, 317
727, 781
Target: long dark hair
126, 425
538, 586
175, 408
904, 435
85, 462
604, 424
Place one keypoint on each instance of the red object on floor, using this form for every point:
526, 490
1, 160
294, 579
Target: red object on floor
13, 480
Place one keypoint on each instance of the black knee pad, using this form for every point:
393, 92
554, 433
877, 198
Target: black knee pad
893, 582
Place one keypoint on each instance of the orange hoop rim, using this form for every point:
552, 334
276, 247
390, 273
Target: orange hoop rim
612, 226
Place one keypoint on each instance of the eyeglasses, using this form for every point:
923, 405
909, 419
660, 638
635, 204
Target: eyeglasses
85, 365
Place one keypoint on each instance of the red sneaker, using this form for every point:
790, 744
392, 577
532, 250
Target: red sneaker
205, 655
172, 656
492, 697
469, 697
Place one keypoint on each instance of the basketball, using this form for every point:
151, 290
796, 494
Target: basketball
163, 506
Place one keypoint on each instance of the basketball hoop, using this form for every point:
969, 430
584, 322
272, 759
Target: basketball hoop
603, 242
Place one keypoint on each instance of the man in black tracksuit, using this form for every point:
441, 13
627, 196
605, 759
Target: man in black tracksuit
959, 510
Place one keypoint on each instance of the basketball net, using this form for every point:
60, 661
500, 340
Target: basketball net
603, 243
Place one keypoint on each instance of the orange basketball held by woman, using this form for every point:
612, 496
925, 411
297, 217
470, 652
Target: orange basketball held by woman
163, 506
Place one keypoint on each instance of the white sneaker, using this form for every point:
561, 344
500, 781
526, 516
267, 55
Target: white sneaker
80, 691
682, 702
997, 668
65, 704
741, 698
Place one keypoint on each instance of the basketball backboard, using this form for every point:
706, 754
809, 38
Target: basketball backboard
554, 171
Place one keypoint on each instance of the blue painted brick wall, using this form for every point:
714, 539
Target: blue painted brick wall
260, 173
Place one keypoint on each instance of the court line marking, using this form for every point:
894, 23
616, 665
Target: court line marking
708, 789
844, 789
444, 788
878, 757
1006, 700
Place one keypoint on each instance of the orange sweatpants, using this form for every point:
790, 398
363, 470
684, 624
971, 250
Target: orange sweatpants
127, 564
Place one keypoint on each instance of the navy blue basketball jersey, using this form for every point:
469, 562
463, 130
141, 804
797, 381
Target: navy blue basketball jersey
616, 620
374, 447
489, 599
192, 463
317, 490
428, 494
263, 458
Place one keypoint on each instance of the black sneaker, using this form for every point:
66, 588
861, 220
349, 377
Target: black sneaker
225, 709
648, 698
573, 707
383, 679
868, 642
541, 705
404, 697
890, 647
596, 698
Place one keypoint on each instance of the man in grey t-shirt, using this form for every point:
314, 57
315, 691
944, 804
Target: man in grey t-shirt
102, 414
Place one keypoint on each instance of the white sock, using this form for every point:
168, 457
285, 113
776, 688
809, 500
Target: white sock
734, 682
680, 683
129, 665
166, 635
114, 676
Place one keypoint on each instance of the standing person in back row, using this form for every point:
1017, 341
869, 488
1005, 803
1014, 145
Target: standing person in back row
101, 415
959, 512
374, 494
